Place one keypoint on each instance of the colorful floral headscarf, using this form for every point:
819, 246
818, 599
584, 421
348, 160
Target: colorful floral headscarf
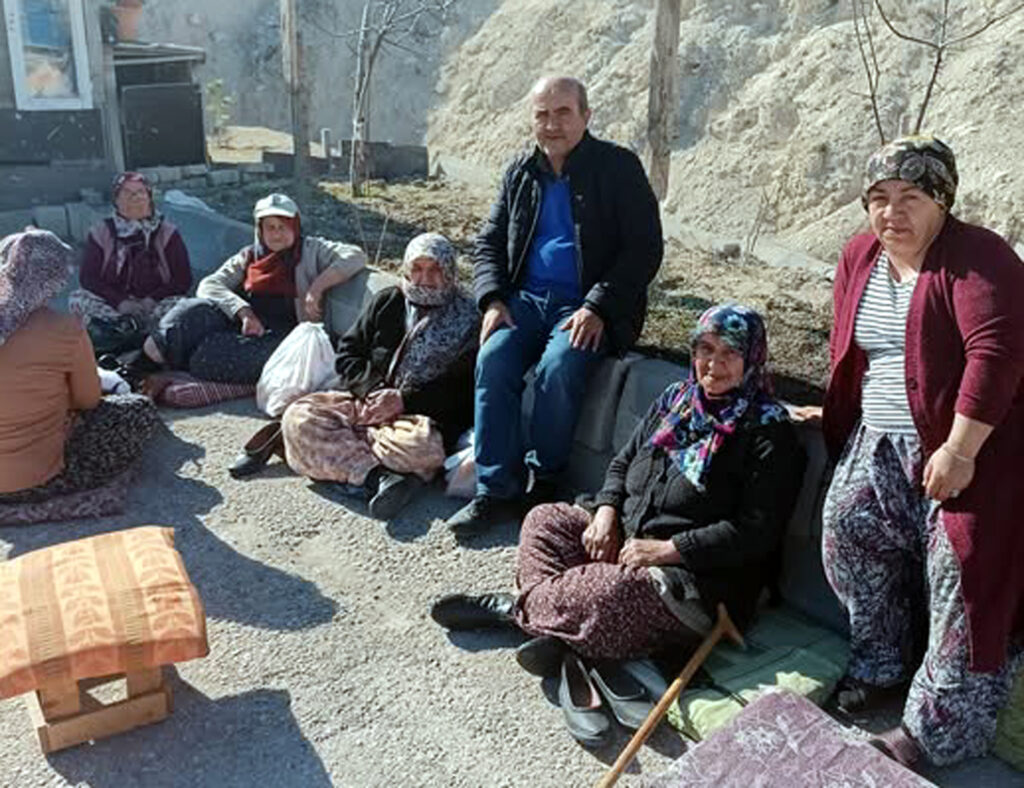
690, 431
34, 267
440, 250
925, 161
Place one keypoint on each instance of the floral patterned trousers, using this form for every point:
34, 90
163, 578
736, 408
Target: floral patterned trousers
884, 548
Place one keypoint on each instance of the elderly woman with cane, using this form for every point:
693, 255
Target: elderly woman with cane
691, 515
925, 414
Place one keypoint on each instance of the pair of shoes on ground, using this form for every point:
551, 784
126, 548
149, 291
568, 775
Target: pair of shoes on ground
389, 492
627, 689
486, 510
267, 442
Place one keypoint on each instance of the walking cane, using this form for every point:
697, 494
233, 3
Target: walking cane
723, 626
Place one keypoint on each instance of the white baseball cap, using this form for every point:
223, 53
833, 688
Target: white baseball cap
275, 204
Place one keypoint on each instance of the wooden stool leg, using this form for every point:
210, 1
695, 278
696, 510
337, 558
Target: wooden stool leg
59, 699
143, 681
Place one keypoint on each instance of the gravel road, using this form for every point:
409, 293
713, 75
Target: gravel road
324, 667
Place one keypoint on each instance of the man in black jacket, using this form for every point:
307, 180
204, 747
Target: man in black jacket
561, 269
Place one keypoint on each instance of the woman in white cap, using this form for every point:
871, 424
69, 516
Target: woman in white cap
244, 309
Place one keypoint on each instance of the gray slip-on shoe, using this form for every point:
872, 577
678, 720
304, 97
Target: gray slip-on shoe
581, 705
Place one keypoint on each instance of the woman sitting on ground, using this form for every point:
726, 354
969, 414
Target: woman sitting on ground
691, 515
405, 390
925, 414
135, 268
58, 435
244, 309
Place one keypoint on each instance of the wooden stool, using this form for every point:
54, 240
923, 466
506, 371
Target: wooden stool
80, 616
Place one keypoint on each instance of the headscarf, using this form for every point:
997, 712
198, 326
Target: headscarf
127, 228
445, 320
273, 273
34, 267
923, 160
440, 250
691, 432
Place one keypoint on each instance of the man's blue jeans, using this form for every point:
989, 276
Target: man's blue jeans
561, 379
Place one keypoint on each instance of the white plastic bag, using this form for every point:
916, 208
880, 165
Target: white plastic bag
460, 469
302, 363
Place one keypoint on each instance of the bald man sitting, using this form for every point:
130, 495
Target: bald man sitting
561, 269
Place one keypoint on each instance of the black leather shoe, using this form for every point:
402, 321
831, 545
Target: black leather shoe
393, 492
481, 512
462, 611
581, 705
542, 656
268, 440
626, 697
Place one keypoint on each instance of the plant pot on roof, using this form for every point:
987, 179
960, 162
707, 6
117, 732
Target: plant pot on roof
129, 15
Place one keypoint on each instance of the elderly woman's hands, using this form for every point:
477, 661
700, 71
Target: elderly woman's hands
314, 303
601, 538
649, 552
251, 325
382, 405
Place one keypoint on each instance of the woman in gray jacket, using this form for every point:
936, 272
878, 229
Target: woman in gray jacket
244, 309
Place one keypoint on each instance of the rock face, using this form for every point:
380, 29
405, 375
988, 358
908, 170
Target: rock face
772, 107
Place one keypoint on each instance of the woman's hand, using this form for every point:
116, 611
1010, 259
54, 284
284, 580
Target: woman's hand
808, 414
383, 405
251, 325
313, 303
649, 552
601, 538
947, 473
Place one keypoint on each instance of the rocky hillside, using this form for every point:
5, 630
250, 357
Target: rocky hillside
772, 105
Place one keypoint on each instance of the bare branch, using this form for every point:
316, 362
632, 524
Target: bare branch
899, 33
992, 21
870, 66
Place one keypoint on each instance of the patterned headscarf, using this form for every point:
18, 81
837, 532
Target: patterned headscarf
34, 267
445, 321
127, 228
925, 161
690, 431
440, 250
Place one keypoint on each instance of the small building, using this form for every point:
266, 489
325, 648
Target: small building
78, 105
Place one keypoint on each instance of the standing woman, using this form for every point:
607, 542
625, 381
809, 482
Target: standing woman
244, 309
925, 413
135, 268
58, 435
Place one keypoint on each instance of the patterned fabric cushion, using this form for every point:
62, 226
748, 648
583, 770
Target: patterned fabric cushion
784, 740
104, 605
185, 391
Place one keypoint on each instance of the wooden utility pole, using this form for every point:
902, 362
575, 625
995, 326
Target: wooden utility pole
297, 81
663, 97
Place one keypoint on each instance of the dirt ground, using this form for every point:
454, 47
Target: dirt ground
796, 302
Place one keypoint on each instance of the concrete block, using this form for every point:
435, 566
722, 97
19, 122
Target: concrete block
91, 196
51, 217
646, 379
14, 221
152, 174
81, 218
192, 184
256, 168
223, 178
167, 174
194, 170
252, 177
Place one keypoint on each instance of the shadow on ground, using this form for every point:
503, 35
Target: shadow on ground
240, 740
233, 586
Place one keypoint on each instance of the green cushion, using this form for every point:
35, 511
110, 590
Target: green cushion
1009, 743
783, 650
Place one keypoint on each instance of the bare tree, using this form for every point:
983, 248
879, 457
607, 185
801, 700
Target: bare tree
384, 24
944, 38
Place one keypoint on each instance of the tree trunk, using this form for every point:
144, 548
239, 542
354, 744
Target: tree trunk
297, 81
663, 96
357, 153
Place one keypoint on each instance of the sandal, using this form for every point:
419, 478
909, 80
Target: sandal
899, 745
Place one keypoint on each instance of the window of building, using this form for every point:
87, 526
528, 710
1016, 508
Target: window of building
49, 62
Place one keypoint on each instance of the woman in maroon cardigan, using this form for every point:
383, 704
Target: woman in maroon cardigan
925, 414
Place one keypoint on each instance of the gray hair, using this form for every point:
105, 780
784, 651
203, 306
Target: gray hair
563, 83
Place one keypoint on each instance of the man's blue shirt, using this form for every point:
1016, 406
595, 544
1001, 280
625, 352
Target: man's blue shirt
551, 266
